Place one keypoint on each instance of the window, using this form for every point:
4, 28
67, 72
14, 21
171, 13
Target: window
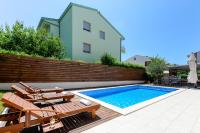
86, 48
134, 58
47, 27
86, 26
102, 35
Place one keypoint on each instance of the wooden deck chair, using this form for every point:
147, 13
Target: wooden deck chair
42, 115
39, 97
33, 90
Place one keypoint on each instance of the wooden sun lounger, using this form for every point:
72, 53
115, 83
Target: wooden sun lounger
39, 97
31, 89
43, 115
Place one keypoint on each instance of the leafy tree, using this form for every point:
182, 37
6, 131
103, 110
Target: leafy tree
156, 67
30, 41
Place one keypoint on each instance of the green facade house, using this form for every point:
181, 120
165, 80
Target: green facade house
85, 33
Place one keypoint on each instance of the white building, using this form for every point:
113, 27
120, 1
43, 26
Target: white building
139, 59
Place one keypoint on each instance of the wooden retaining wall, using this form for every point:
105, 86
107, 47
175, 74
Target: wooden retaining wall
29, 69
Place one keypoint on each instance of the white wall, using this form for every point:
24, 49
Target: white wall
139, 60
73, 85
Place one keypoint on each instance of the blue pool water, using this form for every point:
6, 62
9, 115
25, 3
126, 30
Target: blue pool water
124, 97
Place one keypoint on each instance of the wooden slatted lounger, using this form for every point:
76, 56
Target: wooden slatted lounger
43, 115
33, 90
41, 96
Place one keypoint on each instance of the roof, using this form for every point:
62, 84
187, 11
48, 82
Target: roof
182, 67
73, 4
46, 20
89, 8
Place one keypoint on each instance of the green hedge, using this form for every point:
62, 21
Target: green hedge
107, 59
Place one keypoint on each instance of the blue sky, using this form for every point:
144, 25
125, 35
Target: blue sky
168, 28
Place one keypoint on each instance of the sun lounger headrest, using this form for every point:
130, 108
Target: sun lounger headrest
85, 102
20, 90
27, 86
21, 104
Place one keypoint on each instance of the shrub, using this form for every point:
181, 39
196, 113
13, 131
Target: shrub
29, 41
107, 59
148, 78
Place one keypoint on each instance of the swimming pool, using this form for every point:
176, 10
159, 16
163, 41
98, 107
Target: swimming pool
124, 97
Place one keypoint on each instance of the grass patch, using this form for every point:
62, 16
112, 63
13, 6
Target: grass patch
1, 103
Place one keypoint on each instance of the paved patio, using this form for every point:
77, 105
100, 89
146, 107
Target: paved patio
80, 122
176, 114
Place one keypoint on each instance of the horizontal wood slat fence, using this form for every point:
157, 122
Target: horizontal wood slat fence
33, 69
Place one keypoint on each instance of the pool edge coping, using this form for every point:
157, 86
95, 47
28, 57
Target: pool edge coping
135, 107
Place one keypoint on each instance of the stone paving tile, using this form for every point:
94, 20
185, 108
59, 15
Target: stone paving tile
176, 114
